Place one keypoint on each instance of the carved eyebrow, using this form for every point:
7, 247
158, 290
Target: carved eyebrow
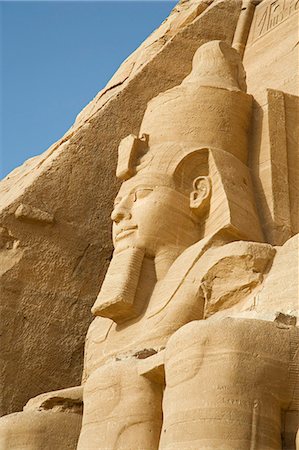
144, 188
133, 190
139, 188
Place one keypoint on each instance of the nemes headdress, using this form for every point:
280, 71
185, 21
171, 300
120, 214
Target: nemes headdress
201, 127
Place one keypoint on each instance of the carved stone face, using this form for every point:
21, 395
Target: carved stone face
153, 217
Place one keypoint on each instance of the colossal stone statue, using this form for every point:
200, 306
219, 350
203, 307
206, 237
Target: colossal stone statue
185, 352
181, 225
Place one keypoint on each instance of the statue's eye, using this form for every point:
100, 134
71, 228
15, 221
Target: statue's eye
142, 193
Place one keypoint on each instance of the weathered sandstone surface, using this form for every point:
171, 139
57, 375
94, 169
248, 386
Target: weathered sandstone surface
194, 339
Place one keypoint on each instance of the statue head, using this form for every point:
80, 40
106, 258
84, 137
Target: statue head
186, 177
189, 165
159, 212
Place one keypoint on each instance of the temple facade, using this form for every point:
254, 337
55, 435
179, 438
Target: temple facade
178, 329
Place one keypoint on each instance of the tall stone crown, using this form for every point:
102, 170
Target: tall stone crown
210, 108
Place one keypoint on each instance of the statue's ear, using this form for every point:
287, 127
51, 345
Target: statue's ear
200, 196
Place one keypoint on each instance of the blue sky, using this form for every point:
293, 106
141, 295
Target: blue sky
55, 57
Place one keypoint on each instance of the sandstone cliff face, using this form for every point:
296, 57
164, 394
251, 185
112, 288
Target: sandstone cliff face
55, 242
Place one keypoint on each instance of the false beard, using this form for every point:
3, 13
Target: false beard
116, 299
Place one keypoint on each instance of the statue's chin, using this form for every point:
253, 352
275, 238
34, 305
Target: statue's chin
132, 240
124, 241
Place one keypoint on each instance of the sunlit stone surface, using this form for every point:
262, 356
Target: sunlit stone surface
193, 343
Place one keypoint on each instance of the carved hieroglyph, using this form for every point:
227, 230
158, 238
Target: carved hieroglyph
194, 344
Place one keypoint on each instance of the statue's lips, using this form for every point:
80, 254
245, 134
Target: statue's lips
125, 232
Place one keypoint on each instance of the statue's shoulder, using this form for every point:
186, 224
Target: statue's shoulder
250, 279
210, 254
222, 272
229, 274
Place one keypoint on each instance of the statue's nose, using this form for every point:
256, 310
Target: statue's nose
121, 211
